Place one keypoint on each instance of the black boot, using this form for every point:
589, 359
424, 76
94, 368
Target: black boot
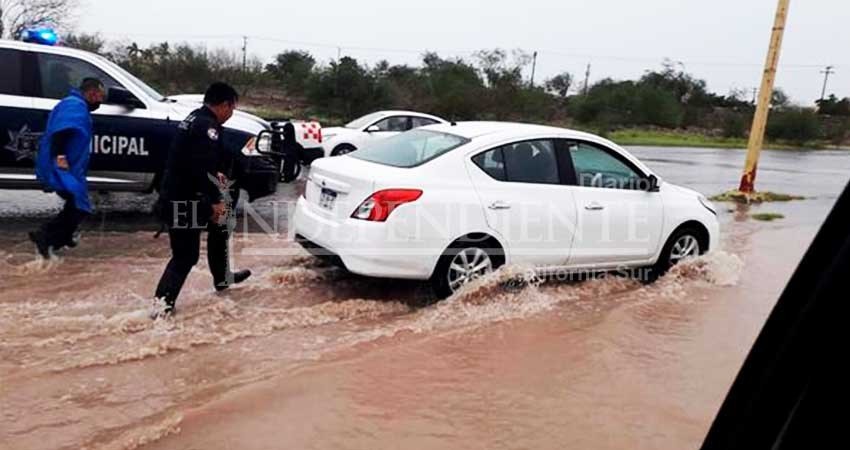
41, 245
238, 277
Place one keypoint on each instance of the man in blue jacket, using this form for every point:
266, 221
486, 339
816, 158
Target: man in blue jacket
63, 162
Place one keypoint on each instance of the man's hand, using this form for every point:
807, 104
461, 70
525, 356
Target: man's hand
219, 211
62, 162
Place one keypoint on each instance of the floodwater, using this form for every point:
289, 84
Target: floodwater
306, 356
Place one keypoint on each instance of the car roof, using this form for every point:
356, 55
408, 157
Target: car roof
473, 130
58, 49
400, 112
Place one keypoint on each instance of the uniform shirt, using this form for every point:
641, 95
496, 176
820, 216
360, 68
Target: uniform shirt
196, 154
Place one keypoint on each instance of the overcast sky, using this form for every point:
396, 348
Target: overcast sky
722, 41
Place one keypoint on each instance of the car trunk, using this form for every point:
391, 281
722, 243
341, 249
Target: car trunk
337, 186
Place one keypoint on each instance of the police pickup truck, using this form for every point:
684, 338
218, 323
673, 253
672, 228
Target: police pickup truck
132, 129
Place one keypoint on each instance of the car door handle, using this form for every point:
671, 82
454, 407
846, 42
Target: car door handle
499, 205
594, 207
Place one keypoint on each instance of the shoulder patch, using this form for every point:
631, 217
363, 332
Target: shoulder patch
213, 134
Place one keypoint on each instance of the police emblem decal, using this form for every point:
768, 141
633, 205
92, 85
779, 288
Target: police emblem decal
213, 134
24, 143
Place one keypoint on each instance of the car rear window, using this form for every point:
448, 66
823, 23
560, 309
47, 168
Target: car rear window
410, 149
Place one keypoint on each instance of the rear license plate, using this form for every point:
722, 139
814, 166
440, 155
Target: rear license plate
327, 199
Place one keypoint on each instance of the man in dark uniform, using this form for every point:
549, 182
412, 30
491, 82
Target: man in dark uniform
193, 196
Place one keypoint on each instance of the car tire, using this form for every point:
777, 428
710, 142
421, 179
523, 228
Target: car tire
683, 243
343, 149
459, 265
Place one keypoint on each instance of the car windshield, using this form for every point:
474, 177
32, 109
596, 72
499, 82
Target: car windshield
149, 91
364, 121
410, 149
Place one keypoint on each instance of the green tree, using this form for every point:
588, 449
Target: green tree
832, 106
455, 90
89, 42
293, 69
560, 84
798, 125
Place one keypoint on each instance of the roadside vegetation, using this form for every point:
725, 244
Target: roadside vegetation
665, 107
767, 217
754, 197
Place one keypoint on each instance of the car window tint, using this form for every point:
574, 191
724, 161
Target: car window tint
10, 76
597, 168
422, 121
59, 74
492, 163
531, 162
397, 124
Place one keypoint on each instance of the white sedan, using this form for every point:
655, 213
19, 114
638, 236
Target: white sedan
371, 128
450, 203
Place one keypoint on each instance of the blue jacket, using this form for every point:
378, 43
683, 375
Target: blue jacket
72, 113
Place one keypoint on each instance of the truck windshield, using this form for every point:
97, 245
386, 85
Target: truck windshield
149, 91
410, 149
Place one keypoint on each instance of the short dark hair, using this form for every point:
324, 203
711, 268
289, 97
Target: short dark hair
219, 93
91, 84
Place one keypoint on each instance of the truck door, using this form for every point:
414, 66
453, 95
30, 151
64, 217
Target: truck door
129, 144
20, 125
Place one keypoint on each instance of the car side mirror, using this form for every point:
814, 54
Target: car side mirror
652, 184
122, 97
373, 129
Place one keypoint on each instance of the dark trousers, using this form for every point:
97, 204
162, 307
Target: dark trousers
59, 231
185, 250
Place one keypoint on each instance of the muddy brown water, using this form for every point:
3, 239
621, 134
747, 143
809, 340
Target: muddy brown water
307, 356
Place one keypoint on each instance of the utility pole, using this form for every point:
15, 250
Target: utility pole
748, 179
533, 68
587, 79
755, 95
244, 54
826, 73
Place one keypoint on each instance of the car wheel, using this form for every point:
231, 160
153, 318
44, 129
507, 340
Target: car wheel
459, 266
343, 149
682, 245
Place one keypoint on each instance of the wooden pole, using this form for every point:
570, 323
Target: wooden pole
756, 143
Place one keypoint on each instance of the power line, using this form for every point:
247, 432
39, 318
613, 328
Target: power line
576, 55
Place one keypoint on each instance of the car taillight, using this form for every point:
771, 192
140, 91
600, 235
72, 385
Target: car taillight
379, 206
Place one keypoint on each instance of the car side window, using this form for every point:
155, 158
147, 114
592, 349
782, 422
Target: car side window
598, 168
59, 74
417, 122
531, 162
396, 123
522, 162
492, 162
11, 78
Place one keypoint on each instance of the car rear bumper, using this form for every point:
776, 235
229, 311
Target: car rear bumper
364, 248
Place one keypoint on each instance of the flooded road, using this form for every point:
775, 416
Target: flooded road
307, 356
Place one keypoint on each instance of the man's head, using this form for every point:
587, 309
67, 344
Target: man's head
93, 91
221, 99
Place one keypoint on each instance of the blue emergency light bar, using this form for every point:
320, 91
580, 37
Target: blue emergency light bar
44, 36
